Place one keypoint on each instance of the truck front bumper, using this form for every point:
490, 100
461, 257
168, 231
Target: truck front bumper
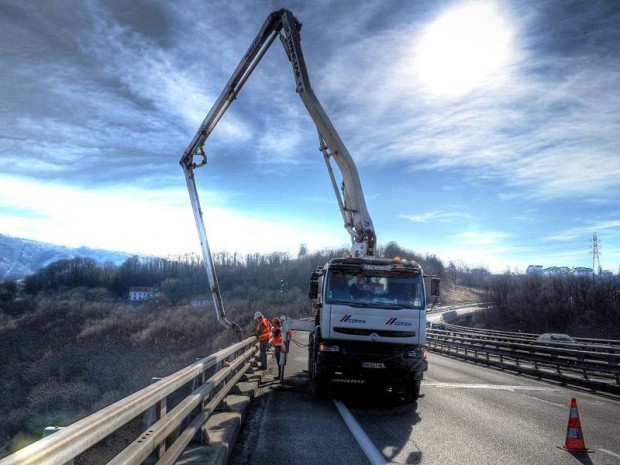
370, 362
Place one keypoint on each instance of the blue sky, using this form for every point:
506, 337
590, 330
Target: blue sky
487, 133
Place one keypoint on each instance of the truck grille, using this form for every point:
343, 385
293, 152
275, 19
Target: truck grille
368, 332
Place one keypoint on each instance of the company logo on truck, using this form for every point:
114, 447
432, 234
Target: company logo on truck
377, 267
395, 322
349, 319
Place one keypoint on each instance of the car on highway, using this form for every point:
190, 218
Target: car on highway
432, 325
556, 337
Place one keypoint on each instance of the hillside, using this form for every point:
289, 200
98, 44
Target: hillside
22, 257
452, 294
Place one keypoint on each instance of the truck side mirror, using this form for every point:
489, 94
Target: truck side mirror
435, 286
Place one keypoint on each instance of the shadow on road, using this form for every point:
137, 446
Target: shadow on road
386, 419
583, 457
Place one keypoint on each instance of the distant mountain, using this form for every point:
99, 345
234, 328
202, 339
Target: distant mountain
20, 258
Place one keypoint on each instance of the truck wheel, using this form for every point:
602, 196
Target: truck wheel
412, 390
320, 383
310, 354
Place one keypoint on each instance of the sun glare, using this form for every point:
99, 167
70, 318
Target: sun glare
465, 48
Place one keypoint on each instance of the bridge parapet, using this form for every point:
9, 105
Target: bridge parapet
184, 401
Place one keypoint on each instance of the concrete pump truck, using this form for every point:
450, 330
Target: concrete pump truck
368, 319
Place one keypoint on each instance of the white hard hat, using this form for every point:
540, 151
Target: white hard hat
282, 318
258, 315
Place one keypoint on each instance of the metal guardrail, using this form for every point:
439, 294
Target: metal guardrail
592, 365
603, 345
208, 381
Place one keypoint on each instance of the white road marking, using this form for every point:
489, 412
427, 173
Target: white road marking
555, 404
373, 454
610, 453
501, 387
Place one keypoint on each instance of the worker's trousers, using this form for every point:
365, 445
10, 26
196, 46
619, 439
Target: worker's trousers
263, 346
276, 352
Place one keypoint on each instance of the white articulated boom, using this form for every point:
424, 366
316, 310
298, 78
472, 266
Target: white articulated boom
369, 314
357, 221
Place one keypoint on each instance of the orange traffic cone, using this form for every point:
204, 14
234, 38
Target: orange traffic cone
574, 437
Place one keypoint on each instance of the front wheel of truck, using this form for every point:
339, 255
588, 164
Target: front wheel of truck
320, 382
412, 389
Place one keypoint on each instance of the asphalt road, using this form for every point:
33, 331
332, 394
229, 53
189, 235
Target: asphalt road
467, 414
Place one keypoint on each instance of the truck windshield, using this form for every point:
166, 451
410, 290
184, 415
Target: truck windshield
360, 289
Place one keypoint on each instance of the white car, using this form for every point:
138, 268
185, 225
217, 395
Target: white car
556, 337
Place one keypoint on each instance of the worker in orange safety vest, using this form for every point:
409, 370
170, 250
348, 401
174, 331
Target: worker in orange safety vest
263, 333
276, 341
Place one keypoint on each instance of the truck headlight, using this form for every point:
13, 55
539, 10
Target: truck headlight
418, 353
326, 348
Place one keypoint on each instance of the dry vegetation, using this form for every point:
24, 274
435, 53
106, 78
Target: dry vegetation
72, 356
452, 294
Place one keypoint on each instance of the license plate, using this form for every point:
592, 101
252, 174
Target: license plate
373, 365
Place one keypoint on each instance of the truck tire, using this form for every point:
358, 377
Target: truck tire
320, 383
310, 353
412, 389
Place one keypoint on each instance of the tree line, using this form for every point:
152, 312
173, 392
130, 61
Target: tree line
577, 305
181, 278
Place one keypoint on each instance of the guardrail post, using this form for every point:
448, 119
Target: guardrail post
150, 415
218, 367
163, 409
194, 384
585, 373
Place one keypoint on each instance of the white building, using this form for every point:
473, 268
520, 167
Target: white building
582, 271
536, 270
199, 301
137, 294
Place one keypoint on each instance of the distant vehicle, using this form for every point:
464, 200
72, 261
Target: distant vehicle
556, 337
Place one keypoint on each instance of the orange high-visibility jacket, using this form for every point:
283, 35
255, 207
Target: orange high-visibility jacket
263, 329
276, 335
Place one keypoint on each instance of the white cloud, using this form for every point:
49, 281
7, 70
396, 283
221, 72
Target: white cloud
136, 221
436, 216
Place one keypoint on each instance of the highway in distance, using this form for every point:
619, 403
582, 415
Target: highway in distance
467, 414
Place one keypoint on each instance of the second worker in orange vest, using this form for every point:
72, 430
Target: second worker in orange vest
276, 340
263, 333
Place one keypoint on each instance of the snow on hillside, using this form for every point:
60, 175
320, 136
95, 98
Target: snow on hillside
22, 257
